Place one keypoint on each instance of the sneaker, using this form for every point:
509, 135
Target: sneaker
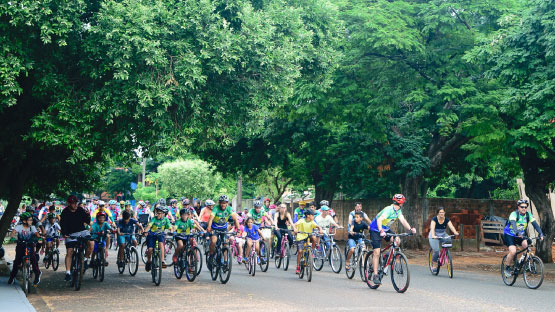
105, 263
376, 279
508, 272
147, 266
164, 265
298, 270
68, 277
37, 279
239, 260
10, 280
174, 258
243, 260
434, 270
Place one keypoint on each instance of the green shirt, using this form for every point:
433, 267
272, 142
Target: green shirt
220, 217
184, 227
159, 225
390, 216
257, 216
96, 228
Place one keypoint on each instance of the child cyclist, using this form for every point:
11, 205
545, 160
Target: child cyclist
252, 233
356, 234
183, 227
25, 232
303, 226
52, 230
155, 234
126, 228
101, 228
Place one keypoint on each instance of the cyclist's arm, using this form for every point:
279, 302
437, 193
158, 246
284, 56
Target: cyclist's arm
404, 222
379, 222
293, 225
367, 218
537, 227
295, 217
236, 220
513, 226
210, 222
452, 227
198, 227
269, 218
433, 228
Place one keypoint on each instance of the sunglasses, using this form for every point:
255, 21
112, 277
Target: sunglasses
523, 207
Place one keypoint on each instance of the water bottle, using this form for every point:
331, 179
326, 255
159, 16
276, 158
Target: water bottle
521, 260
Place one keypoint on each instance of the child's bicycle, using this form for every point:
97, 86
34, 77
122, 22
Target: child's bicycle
444, 257
329, 252
264, 252
98, 260
358, 257
394, 260
186, 259
52, 257
27, 272
307, 257
130, 257
530, 266
194, 244
156, 266
284, 252
251, 260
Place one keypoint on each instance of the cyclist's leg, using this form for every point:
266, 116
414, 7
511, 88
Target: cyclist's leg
178, 249
69, 254
278, 235
376, 245
434, 244
90, 247
510, 242
249, 246
213, 241
161, 242
351, 244
34, 263
257, 246
300, 248
19, 253
121, 243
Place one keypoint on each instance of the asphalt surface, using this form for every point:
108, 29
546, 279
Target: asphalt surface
278, 290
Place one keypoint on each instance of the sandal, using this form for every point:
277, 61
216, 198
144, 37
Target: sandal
347, 267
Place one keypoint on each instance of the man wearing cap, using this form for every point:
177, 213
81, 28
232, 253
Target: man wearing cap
325, 221
299, 212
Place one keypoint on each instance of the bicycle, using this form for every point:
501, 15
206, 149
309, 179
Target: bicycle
27, 272
197, 251
264, 255
98, 260
77, 267
251, 260
394, 259
220, 263
329, 252
444, 258
52, 257
186, 259
284, 252
130, 257
169, 249
530, 266
358, 257
156, 264
306, 257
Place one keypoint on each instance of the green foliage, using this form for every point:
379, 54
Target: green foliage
149, 193
118, 180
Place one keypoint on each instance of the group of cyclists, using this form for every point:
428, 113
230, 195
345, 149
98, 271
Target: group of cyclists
182, 219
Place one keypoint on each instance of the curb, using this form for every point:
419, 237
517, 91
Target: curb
26, 305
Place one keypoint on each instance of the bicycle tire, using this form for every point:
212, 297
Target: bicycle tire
169, 251
121, 266
48, 260
361, 266
133, 265
509, 281
94, 265
352, 267
449, 264
534, 267
144, 249
301, 265
198, 255
179, 267
431, 263
225, 270
79, 270
55, 259
214, 267
191, 267
369, 269
157, 275
264, 256
277, 260
335, 259
287, 256
400, 267
252, 263
317, 262
25, 277
29, 278
101, 262
309, 261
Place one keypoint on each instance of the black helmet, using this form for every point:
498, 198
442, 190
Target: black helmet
257, 203
183, 211
162, 201
173, 201
223, 198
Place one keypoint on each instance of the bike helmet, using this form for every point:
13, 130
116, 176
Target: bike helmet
127, 203
100, 214
399, 199
159, 208
30, 209
324, 203
48, 204
101, 203
183, 211
257, 204
272, 206
162, 201
25, 216
173, 201
51, 216
522, 201
210, 202
165, 210
142, 203
112, 202
72, 199
186, 201
223, 198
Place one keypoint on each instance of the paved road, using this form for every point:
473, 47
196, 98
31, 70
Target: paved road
277, 290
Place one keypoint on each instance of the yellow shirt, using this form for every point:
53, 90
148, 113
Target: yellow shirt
303, 226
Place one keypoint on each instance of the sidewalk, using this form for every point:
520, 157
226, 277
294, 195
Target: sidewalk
12, 298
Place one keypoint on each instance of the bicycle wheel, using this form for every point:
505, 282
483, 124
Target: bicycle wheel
121, 266
509, 281
226, 262
264, 260
133, 264
431, 262
170, 250
213, 267
79, 270
369, 269
48, 260
157, 275
400, 276
301, 264
144, 249
277, 260
360, 262
309, 261
26, 273
252, 264
335, 259
352, 267
55, 259
179, 267
286, 256
318, 261
191, 265
94, 265
101, 262
29, 279
533, 272
198, 255
449, 264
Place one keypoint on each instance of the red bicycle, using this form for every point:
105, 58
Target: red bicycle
444, 257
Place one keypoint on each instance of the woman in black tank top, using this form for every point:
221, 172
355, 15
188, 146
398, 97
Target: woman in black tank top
282, 217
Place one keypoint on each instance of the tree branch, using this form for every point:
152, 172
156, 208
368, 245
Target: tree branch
404, 60
461, 19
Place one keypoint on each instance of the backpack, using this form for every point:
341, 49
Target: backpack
526, 217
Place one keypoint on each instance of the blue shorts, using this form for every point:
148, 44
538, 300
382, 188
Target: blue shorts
352, 244
121, 238
96, 245
152, 238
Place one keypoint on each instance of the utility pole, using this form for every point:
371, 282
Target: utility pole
144, 171
239, 207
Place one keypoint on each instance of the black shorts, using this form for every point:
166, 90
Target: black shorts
377, 239
71, 244
512, 240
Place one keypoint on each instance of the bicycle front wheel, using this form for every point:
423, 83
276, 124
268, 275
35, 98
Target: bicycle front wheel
48, 260
79, 270
286, 256
350, 272
264, 260
169, 251
360, 261
133, 264
179, 267
431, 263
318, 261
449, 264
509, 281
26, 273
369, 269
400, 276
121, 266
191, 265
336, 261
55, 259
157, 270
309, 261
533, 272
144, 249
226, 262
101, 264
198, 255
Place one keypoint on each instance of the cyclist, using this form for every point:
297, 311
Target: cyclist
38, 225
25, 231
129, 209
72, 223
306, 225
183, 227
219, 221
358, 207
299, 212
438, 234
380, 228
51, 229
126, 227
142, 208
173, 209
205, 213
356, 229
252, 233
51, 210
515, 231
162, 204
331, 212
155, 234
113, 209
281, 219
102, 208
326, 221
101, 227
260, 216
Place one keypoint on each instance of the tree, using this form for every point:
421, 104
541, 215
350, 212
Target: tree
118, 180
520, 57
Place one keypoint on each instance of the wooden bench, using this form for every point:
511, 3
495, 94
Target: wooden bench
492, 227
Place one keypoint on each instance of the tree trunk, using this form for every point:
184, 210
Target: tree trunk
413, 209
11, 209
322, 191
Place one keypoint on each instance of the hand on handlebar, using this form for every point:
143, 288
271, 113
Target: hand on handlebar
382, 233
413, 230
